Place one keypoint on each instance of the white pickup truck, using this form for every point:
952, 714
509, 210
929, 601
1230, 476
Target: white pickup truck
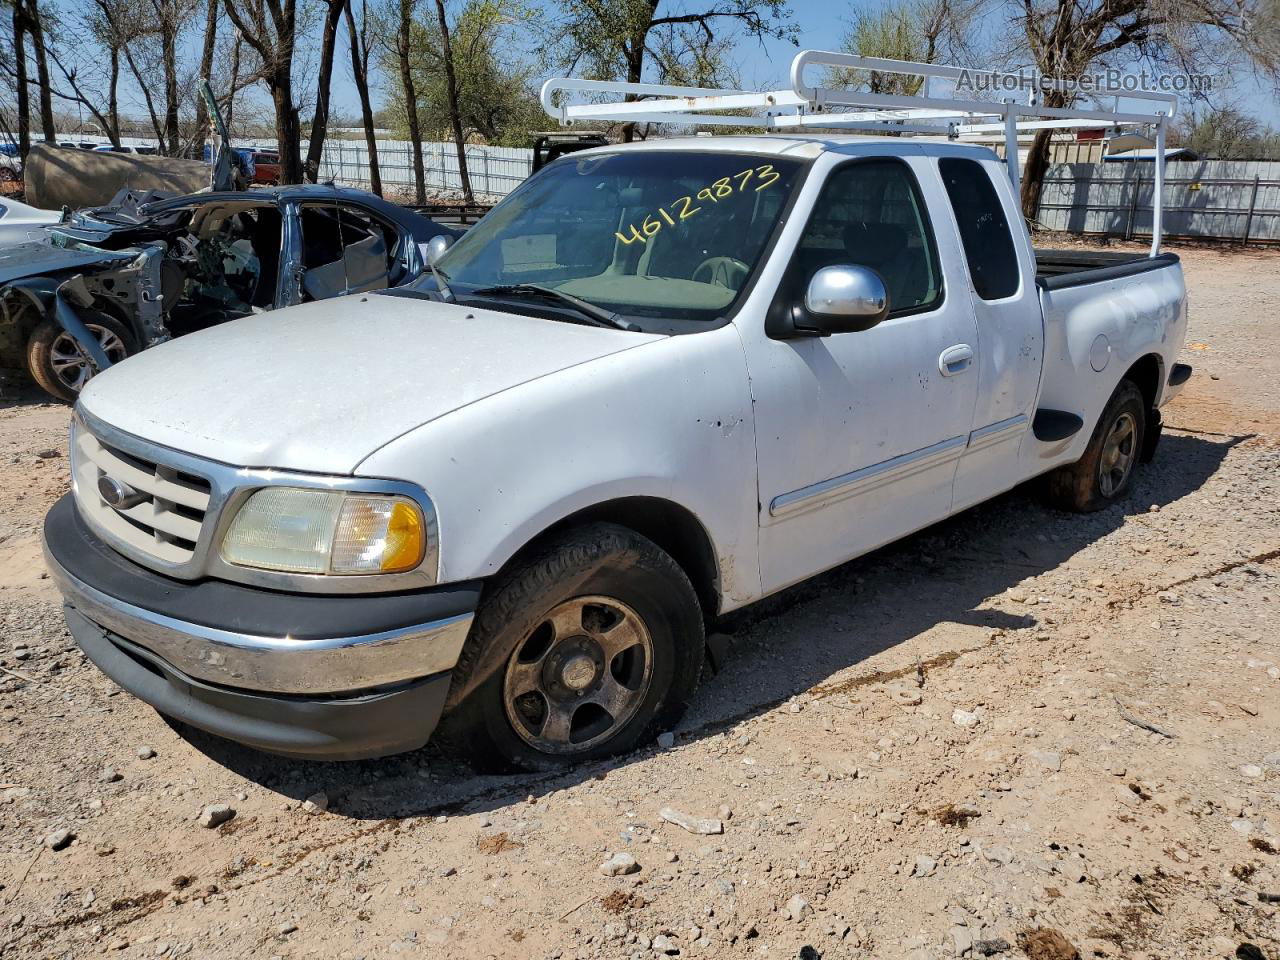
658, 382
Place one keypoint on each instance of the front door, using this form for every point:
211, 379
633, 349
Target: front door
858, 434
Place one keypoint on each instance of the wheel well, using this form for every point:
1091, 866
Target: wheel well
670, 526
20, 314
1145, 375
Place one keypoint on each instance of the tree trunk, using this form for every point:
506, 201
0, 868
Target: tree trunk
156, 125
20, 73
635, 70
287, 132
203, 120
455, 115
42, 71
1033, 175
169, 54
1038, 162
229, 114
113, 99
320, 120
360, 73
411, 101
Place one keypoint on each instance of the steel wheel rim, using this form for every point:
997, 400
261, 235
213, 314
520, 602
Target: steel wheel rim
71, 366
579, 676
1119, 451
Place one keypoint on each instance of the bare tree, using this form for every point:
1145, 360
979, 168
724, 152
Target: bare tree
269, 27
455, 115
403, 50
320, 119
206, 67
170, 17
22, 90
1066, 38
91, 100
33, 26
361, 47
614, 38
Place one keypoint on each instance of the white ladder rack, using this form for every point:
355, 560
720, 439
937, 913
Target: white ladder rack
816, 107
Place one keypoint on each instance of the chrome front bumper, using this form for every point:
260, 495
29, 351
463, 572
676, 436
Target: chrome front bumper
272, 664
254, 639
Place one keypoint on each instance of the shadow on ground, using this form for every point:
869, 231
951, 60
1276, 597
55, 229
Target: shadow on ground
788, 643
17, 391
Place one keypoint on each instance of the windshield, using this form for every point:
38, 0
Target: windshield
671, 235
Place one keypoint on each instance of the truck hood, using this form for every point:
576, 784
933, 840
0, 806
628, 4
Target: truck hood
321, 386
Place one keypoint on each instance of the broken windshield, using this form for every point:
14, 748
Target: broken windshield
673, 235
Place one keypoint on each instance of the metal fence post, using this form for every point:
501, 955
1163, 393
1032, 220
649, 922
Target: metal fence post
1133, 204
1248, 220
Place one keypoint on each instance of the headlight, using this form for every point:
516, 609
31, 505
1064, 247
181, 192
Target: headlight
300, 530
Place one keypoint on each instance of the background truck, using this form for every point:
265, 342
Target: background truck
657, 383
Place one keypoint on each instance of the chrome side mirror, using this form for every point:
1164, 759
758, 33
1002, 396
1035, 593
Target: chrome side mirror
434, 248
846, 298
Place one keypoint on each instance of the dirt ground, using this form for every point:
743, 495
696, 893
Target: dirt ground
947, 748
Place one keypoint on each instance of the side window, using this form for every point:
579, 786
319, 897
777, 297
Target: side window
343, 251
984, 230
871, 214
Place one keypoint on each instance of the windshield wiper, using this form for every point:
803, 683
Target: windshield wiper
597, 315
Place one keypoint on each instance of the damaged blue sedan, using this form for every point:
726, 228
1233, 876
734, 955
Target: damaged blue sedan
108, 282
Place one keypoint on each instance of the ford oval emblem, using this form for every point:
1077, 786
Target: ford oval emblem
119, 496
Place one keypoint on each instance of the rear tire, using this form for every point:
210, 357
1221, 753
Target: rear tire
1103, 475
53, 358
588, 648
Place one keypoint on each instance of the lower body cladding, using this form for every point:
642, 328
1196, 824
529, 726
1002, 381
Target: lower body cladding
317, 676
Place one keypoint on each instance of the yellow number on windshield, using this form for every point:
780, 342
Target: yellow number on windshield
687, 210
683, 207
768, 176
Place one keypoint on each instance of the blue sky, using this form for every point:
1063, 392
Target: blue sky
761, 66
824, 23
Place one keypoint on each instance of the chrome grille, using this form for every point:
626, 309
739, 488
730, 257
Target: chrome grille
166, 520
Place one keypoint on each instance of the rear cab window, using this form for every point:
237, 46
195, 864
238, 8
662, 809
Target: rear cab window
984, 229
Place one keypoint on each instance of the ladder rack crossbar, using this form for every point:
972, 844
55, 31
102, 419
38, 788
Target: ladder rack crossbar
1018, 107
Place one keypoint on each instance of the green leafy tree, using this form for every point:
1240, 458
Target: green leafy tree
664, 41
496, 99
923, 31
1225, 133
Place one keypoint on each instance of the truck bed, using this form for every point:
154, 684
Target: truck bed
1057, 269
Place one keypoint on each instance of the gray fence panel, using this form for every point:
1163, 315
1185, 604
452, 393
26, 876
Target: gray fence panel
1209, 199
494, 171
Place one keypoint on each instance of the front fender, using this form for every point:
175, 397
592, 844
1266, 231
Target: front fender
670, 420
54, 297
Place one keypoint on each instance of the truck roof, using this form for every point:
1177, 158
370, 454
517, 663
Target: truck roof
806, 146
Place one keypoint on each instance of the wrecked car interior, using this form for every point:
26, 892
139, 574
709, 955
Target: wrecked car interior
111, 281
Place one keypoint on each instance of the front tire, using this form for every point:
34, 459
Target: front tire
1103, 475
56, 363
587, 648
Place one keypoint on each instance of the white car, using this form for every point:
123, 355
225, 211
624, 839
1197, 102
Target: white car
20, 222
658, 382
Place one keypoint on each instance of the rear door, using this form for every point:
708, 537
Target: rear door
1010, 339
344, 250
858, 434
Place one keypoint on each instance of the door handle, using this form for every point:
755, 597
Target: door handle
955, 359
